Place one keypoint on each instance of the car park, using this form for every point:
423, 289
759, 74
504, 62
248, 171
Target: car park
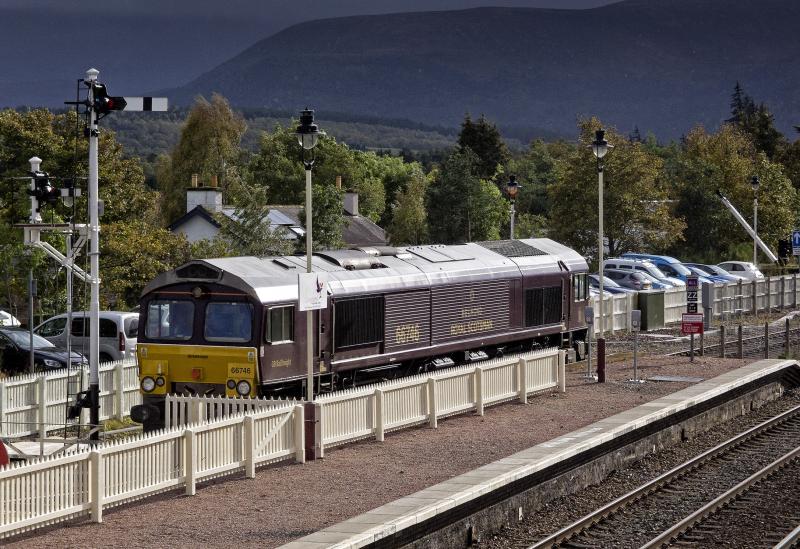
746, 270
670, 266
634, 280
716, 275
642, 265
608, 285
657, 284
15, 344
118, 333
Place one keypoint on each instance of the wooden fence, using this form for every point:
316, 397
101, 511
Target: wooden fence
37, 403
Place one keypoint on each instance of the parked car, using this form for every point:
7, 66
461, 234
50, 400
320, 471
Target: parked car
746, 270
642, 265
15, 352
716, 274
118, 333
657, 284
634, 280
668, 265
7, 319
608, 285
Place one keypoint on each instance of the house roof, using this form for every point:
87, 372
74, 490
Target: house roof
198, 211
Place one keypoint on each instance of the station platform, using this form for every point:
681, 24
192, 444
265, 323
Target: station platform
402, 520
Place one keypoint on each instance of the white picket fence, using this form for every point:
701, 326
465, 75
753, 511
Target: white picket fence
730, 298
87, 482
36, 403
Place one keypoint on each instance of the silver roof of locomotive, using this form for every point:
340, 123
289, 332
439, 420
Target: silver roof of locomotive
274, 279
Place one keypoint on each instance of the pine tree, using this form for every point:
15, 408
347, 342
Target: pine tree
483, 138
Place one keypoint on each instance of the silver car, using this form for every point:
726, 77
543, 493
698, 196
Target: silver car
118, 333
634, 280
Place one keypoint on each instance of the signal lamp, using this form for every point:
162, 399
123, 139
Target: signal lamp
104, 103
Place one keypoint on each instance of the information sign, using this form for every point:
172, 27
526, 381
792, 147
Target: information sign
636, 320
795, 242
691, 323
691, 307
692, 293
313, 291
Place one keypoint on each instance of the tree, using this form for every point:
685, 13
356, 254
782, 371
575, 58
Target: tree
409, 225
756, 121
726, 161
637, 211
461, 206
327, 219
483, 138
208, 146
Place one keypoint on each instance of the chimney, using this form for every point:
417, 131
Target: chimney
339, 182
209, 198
214, 181
351, 203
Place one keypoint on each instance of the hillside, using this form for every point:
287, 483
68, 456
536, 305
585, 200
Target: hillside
661, 65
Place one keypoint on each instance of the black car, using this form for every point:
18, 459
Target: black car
15, 352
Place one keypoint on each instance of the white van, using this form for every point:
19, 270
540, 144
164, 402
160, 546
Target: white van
118, 333
642, 265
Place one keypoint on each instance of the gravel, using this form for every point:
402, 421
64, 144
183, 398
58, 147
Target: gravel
288, 501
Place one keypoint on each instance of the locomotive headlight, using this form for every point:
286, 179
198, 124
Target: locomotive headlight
148, 384
160, 381
231, 384
243, 387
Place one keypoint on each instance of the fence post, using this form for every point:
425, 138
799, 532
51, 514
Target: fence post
195, 410
97, 485
522, 376
190, 461
433, 421
794, 289
118, 392
479, 390
378, 400
741, 353
2, 409
42, 410
562, 371
783, 292
766, 339
300, 431
786, 349
722, 341
249, 447
84, 419
755, 297
768, 294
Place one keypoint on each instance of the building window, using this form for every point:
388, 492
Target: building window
280, 325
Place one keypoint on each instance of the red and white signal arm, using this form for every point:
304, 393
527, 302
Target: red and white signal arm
691, 324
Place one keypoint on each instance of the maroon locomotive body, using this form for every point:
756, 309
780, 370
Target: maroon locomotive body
232, 325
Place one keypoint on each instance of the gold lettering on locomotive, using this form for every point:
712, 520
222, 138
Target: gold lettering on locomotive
282, 363
406, 333
471, 327
470, 312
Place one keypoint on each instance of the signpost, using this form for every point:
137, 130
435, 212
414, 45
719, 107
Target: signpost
692, 291
588, 315
313, 291
691, 324
636, 325
796, 242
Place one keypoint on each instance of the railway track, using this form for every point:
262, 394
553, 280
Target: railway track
655, 508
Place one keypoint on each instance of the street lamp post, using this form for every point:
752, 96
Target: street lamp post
512, 188
308, 135
600, 147
755, 183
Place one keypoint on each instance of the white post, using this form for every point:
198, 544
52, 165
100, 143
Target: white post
755, 230
118, 392
94, 261
2, 409
562, 371
522, 376
479, 390
190, 461
378, 399
42, 410
249, 447
36, 164
600, 246
299, 435
432, 420
196, 409
97, 485
513, 214
309, 314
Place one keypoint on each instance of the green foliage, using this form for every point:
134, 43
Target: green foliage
535, 170
208, 146
461, 206
483, 138
326, 217
756, 121
409, 220
637, 214
726, 161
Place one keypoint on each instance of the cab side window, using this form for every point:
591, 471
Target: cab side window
280, 325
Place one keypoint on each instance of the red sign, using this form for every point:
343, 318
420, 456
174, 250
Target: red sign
691, 324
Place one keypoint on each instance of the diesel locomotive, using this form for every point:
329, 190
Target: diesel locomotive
232, 327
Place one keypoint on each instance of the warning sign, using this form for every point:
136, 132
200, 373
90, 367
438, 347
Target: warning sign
691, 323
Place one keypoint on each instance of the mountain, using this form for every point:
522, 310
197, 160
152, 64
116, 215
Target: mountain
661, 65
